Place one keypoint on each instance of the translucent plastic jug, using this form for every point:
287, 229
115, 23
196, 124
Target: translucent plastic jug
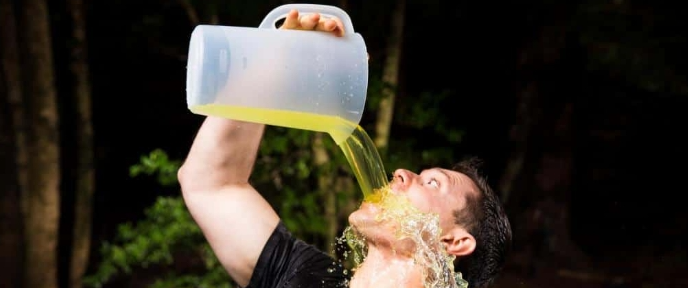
309, 80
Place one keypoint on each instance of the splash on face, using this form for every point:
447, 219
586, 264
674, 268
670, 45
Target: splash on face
407, 218
434, 191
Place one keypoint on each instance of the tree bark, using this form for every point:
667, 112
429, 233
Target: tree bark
13, 84
10, 210
85, 178
190, 12
41, 198
537, 181
390, 78
519, 134
10, 225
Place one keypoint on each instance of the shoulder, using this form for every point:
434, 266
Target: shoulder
290, 262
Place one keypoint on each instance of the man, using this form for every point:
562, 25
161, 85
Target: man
255, 248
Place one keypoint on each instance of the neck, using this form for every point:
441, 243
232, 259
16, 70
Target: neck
383, 268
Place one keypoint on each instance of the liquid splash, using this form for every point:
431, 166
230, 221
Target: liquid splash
422, 229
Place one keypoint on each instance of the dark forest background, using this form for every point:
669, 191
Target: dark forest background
576, 107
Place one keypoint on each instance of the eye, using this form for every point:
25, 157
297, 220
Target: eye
433, 182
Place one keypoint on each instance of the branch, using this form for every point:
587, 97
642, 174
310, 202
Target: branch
190, 11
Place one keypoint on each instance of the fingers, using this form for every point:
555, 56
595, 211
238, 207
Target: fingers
338, 26
324, 25
309, 22
331, 25
313, 22
291, 21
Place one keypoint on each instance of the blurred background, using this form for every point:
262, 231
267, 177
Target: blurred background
576, 108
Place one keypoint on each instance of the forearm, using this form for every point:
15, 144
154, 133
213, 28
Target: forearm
235, 219
223, 153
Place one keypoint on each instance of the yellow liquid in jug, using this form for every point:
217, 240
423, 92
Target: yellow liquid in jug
357, 146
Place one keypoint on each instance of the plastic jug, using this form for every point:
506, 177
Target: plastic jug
309, 80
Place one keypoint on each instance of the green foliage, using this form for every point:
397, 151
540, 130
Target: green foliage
425, 115
434, 139
286, 169
626, 42
154, 240
216, 278
159, 164
302, 212
435, 136
167, 232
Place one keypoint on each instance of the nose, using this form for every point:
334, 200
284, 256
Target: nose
402, 179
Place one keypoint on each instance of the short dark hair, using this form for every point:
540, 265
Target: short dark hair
484, 217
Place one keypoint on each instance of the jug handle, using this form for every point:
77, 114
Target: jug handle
325, 10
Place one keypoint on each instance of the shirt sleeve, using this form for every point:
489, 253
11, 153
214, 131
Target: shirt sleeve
289, 262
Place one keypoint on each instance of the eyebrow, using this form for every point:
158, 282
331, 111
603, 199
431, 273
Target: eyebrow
435, 170
443, 173
440, 171
451, 180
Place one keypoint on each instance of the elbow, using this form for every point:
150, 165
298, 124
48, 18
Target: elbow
185, 178
197, 176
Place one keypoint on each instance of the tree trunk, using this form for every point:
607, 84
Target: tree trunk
10, 221
554, 178
85, 178
10, 210
518, 135
41, 198
12, 72
190, 12
390, 78
538, 179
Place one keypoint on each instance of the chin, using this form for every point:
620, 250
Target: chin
365, 222
363, 217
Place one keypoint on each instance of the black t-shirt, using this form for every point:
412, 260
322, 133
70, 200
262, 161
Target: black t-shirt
287, 262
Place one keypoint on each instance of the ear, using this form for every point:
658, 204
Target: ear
459, 242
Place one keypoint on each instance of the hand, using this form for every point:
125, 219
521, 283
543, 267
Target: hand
313, 22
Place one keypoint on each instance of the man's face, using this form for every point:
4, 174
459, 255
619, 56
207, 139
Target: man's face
436, 191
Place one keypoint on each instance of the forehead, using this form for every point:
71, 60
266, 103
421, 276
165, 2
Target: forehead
459, 183
456, 187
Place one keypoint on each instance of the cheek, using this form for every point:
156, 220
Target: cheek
421, 202
448, 208
447, 218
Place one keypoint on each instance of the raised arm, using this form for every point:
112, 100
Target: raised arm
235, 219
